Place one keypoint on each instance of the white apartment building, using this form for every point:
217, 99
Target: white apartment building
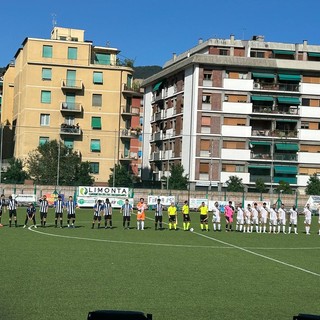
232, 107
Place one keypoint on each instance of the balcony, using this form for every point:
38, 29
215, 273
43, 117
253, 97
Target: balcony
158, 115
294, 87
261, 156
129, 111
157, 156
285, 156
73, 107
125, 156
264, 178
157, 136
261, 132
68, 129
71, 84
131, 89
278, 110
284, 133
128, 134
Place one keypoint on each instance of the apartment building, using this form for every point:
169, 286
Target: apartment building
68, 89
232, 107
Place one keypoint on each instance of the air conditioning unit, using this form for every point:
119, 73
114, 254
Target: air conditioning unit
256, 85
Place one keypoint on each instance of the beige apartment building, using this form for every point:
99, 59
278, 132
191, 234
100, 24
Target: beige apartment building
67, 89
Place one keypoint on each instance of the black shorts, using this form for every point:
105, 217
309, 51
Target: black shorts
71, 215
108, 217
186, 217
158, 218
58, 215
126, 218
12, 213
43, 215
203, 218
95, 218
172, 218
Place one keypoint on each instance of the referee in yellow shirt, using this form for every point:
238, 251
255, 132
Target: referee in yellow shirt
186, 216
204, 217
172, 214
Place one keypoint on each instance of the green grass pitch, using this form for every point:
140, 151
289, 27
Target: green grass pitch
65, 273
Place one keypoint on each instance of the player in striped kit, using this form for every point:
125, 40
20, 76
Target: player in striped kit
293, 220
126, 211
12, 207
107, 211
58, 209
158, 215
97, 212
71, 212
44, 205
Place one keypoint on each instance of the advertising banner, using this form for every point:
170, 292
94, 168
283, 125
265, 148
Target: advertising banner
165, 200
103, 192
89, 202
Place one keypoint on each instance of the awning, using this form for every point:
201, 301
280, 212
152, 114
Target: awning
96, 123
157, 86
254, 166
284, 52
261, 98
260, 143
286, 169
287, 146
289, 77
289, 100
314, 54
261, 75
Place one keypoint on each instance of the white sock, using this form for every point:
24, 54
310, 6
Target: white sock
284, 229
241, 227
214, 227
295, 229
219, 227
278, 229
289, 230
142, 225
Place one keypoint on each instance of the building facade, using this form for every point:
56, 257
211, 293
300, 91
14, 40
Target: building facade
67, 89
230, 107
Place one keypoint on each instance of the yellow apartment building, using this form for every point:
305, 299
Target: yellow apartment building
67, 89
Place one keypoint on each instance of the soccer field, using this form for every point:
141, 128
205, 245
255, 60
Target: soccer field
49, 273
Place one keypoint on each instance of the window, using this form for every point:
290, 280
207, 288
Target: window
97, 77
102, 58
94, 167
206, 121
45, 96
69, 120
43, 140
72, 53
44, 119
69, 143
96, 123
206, 98
223, 52
207, 75
46, 73
257, 54
239, 168
97, 100
47, 51
95, 145
74, 39
304, 125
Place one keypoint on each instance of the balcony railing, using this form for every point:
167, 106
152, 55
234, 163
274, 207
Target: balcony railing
260, 155
130, 111
71, 107
70, 129
261, 132
270, 110
254, 178
285, 156
132, 89
127, 133
71, 84
276, 86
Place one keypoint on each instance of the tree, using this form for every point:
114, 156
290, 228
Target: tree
235, 184
313, 185
178, 181
123, 178
44, 168
260, 185
15, 172
284, 187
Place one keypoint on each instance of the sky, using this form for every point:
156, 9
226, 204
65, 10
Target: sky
150, 31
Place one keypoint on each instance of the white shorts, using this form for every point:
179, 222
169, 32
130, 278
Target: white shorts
307, 221
255, 221
264, 220
248, 221
282, 222
293, 221
240, 221
273, 222
216, 219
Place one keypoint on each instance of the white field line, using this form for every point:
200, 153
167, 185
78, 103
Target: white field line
258, 254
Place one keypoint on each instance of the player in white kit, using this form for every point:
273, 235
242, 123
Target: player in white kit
273, 219
216, 220
255, 217
282, 219
307, 218
263, 217
240, 218
293, 220
247, 214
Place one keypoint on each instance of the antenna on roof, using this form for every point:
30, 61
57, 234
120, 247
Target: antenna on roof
54, 19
